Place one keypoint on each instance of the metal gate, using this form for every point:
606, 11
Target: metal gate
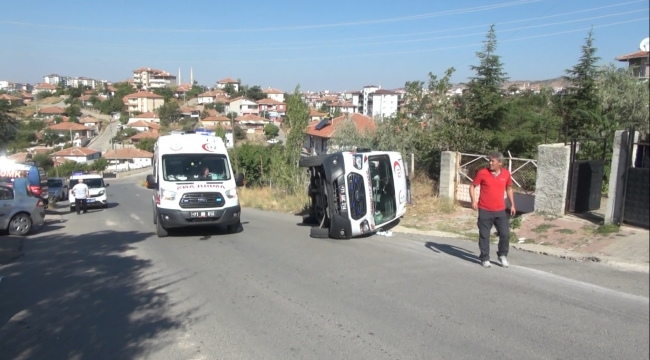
586, 173
636, 193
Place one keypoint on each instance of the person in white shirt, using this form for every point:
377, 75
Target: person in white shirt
81, 194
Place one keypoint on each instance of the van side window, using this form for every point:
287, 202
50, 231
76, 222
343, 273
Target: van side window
6, 193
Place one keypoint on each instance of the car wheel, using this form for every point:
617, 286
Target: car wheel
160, 230
234, 228
319, 233
20, 224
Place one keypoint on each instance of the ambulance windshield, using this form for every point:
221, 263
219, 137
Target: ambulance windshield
195, 167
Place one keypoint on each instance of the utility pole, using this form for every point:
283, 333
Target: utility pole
234, 141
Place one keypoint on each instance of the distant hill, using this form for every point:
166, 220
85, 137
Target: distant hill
535, 84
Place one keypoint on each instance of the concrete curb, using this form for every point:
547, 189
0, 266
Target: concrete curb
544, 250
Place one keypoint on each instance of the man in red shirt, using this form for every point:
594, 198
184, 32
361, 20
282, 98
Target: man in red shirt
494, 182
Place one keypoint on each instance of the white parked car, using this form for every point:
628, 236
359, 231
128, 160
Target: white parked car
273, 141
96, 186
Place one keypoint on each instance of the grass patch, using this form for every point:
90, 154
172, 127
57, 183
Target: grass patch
265, 198
542, 228
606, 229
565, 231
515, 223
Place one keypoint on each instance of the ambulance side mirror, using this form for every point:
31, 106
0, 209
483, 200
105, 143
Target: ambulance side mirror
151, 182
239, 180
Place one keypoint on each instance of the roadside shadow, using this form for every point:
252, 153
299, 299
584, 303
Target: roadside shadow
205, 233
458, 252
85, 296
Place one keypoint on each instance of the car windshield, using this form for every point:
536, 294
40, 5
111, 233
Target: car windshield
92, 183
54, 183
195, 167
383, 188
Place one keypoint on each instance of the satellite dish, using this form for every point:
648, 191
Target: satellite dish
645, 44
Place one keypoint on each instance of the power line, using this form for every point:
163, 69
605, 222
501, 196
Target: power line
298, 27
347, 44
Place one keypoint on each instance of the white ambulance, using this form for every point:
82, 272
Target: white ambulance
194, 183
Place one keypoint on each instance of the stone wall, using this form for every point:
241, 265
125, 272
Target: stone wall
553, 161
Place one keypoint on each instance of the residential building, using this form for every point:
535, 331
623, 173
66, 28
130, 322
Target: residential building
344, 108
56, 80
12, 100
366, 99
275, 94
273, 108
190, 112
148, 78
147, 116
221, 84
44, 88
210, 97
128, 158
215, 120
638, 62
73, 129
314, 115
90, 122
51, 111
242, 106
319, 134
144, 135
142, 125
251, 123
385, 103
182, 90
78, 154
143, 102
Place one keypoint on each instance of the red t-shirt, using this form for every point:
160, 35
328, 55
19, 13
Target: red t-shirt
492, 196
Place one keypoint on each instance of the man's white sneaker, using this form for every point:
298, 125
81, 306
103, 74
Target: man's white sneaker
486, 264
504, 261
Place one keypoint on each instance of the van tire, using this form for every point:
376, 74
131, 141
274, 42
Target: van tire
319, 233
160, 230
234, 228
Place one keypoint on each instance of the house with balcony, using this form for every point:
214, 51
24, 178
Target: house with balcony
143, 102
243, 106
251, 123
638, 62
273, 108
319, 134
144, 135
90, 122
342, 107
275, 94
148, 78
51, 111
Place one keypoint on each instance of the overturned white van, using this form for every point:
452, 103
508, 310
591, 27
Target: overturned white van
194, 184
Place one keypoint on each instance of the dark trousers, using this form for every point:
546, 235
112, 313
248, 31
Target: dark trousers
78, 203
498, 219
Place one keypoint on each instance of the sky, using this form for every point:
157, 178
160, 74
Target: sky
334, 45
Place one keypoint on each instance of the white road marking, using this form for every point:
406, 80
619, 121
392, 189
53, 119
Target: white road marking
134, 216
110, 223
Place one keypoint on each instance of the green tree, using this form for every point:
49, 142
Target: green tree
99, 164
8, 124
146, 144
271, 131
219, 131
168, 113
579, 106
239, 133
485, 103
73, 110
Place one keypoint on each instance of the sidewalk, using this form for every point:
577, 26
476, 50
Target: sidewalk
566, 237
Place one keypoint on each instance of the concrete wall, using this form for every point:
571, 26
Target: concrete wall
620, 157
448, 168
553, 161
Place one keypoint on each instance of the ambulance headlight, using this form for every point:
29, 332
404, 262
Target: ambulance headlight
232, 193
168, 195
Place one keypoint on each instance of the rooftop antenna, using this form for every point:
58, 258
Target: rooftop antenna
645, 44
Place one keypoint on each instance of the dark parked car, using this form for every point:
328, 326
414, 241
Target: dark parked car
58, 188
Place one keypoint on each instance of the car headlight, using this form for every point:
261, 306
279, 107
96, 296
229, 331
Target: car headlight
168, 195
101, 192
231, 194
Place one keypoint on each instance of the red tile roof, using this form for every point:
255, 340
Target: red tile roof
362, 122
88, 120
215, 118
268, 101
18, 157
147, 115
250, 117
9, 97
67, 126
52, 110
145, 135
271, 90
144, 124
227, 81
634, 55
75, 151
127, 153
143, 94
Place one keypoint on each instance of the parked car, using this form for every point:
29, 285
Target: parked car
96, 187
19, 212
58, 188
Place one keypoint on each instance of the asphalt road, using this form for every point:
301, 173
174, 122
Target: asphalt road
103, 141
102, 286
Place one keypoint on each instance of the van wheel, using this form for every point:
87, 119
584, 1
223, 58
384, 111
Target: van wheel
20, 224
319, 233
160, 230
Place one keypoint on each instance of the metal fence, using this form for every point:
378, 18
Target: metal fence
523, 172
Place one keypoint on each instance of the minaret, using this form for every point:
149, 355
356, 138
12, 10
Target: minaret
179, 77
191, 76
